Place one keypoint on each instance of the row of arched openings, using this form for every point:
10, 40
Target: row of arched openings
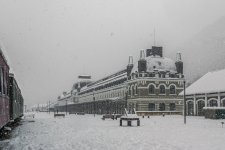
133, 90
162, 107
201, 105
162, 89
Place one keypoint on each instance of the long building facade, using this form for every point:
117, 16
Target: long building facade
149, 86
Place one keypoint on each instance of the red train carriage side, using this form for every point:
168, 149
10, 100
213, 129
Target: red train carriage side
4, 91
16, 99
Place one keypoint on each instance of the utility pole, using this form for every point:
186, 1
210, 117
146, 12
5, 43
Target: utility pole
184, 103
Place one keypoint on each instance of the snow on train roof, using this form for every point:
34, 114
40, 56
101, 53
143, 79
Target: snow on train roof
210, 83
4, 54
11, 71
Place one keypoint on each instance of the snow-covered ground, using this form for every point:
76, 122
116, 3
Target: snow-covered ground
91, 133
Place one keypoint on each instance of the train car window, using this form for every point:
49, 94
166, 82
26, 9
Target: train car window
7, 83
4, 81
1, 79
1, 108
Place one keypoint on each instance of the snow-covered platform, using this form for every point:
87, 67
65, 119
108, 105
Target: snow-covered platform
88, 132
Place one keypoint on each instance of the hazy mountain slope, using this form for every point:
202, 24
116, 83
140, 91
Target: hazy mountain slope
205, 52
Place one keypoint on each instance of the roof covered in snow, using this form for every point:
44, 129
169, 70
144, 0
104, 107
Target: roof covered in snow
5, 55
210, 83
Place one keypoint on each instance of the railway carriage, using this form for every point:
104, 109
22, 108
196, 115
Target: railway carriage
11, 99
16, 99
4, 91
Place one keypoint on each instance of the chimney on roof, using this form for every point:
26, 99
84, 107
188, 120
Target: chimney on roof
179, 63
130, 65
142, 63
179, 56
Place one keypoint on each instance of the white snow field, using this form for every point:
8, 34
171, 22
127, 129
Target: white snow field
91, 133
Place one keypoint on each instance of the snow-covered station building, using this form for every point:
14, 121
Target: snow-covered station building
154, 83
208, 91
149, 86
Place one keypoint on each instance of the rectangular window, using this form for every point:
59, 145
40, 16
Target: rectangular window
1, 80
7, 83
4, 84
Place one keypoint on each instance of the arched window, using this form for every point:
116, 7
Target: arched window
129, 90
190, 108
136, 90
162, 89
151, 89
172, 89
201, 105
213, 103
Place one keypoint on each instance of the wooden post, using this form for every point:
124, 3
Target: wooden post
138, 122
128, 122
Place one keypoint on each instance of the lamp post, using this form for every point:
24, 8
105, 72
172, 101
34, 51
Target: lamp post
184, 103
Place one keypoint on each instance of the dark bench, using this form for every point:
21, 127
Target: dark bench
117, 116
107, 117
59, 115
80, 113
129, 121
72, 113
111, 116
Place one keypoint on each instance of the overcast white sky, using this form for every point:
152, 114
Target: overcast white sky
50, 42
